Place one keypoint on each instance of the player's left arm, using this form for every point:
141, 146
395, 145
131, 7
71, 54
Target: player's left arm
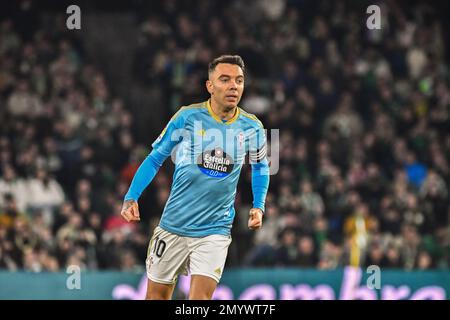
260, 177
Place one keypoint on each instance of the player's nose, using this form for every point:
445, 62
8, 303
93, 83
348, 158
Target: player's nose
233, 85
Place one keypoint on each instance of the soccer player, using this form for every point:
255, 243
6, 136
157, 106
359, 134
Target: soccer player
209, 141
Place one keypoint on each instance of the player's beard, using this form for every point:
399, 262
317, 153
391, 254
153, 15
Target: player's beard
229, 108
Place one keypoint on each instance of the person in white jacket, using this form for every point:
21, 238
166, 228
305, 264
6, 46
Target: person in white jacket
45, 194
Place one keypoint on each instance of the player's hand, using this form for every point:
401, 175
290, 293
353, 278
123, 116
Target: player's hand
255, 219
130, 211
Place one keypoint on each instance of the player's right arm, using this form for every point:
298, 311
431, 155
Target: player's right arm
162, 149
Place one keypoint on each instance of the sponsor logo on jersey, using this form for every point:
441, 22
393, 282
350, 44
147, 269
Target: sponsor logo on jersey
215, 163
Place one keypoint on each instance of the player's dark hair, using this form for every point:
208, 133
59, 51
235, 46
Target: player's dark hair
237, 60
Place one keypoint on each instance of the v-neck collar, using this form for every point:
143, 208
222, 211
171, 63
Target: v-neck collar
215, 117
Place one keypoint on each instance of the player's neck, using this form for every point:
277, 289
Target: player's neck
223, 112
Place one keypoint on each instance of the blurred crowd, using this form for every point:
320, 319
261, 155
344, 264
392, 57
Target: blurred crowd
67, 155
362, 116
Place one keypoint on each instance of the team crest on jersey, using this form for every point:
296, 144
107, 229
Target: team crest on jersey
215, 163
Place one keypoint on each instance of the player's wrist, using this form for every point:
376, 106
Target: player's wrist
129, 200
128, 204
261, 211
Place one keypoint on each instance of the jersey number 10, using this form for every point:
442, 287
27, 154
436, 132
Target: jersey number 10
160, 246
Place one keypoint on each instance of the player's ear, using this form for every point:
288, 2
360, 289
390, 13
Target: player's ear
209, 86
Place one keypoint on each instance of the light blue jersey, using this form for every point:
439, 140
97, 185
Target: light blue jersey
208, 154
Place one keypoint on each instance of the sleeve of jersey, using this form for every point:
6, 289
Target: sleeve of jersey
145, 174
260, 169
162, 148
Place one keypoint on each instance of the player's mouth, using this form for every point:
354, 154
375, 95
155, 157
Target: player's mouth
231, 97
